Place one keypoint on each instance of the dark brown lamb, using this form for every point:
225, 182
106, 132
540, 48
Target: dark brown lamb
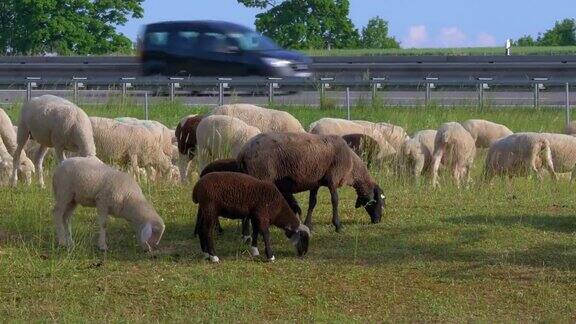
238, 196
298, 162
185, 134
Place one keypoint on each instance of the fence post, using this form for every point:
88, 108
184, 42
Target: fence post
568, 117
481, 87
536, 96
429, 85
146, 105
272, 84
221, 86
30, 84
173, 86
323, 86
375, 86
125, 85
348, 102
77, 85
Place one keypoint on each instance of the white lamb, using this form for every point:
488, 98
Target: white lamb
129, 145
455, 147
53, 122
563, 149
163, 134
266, 120
221, 137
8, 136
519, 155
341, 127
395, 135
416, 152
88, 182
485, 132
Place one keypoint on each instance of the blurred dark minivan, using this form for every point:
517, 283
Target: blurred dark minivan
215, 48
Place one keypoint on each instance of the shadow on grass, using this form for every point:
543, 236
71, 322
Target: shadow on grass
561, 224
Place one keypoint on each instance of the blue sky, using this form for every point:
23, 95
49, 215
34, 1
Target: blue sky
416, 23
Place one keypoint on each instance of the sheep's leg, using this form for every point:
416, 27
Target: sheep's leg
246, 230
134, 169
457, 173
62, 214
22, 137
205, 226
311, 205
183, 162
292, 202
38, 163
254, 247
60, 156
335, 217
102, 217
436, 159
264, 228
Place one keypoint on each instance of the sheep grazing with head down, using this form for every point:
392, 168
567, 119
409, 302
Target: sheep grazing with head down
8, 136
342, 127
298, 162
89, 182
416, 152
266, 120
221, 136
257, 200
163, 134
519, 155
485, 132
186, 137
53, 122
456, 147
395, 135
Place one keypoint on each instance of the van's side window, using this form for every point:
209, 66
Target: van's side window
185, 40
213, 42
158, 39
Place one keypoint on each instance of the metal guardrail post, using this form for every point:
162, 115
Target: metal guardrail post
146, 105
536, 96
77, 84
568, 114
375, 86
271, 86
481, 87
429, 84
173, 86
30, 84
125, 85
221, 86
325, 84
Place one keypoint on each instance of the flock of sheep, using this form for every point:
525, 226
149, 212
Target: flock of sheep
252, 162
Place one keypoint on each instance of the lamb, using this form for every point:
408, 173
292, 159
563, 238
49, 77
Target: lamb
341, 127
416, 152
223, 165
257, 200
129, 144
563, 149
88, 182
266, 120
221, 137
186, 137
395, 135
484, 132
364, 146
163, 134
518, 155
298, 162
457, 148
53, 122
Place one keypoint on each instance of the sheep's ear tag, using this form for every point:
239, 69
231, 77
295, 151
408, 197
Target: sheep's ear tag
382, 196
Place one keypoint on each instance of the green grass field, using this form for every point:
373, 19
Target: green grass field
503, 252
533, 50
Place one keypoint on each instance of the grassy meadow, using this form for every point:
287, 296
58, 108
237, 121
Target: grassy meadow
502, 252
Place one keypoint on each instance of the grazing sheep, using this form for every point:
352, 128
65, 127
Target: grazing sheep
240, 196
223, 165
395, 135
186, 137
364, 146
266, 120
485, 132
416, 152
163, 134
88, 182
456, 147
298, 162
563, 149
53, 122
221, 136
8, 136
519, 155
129, 145
341, 127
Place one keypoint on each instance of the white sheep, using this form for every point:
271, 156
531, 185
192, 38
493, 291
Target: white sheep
395, 135
563, 149
129, 145
163, 134
456, 147
485, 132
341, 127
416, 152
53, 122
519, 155
88, 182
266, 120
8, 135
221, 137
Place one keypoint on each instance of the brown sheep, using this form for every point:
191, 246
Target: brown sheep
237, 195
298, 162
186, 137
363, 145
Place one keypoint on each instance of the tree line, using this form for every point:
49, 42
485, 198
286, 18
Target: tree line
30, 27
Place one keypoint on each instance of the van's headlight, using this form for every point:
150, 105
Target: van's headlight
276, 62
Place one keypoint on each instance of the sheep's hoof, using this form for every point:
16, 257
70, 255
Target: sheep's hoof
254, 251
246, 239
211, 258
272, 259
103, 247
338, 228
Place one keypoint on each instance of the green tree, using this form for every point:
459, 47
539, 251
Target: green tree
526, 40
375, 35
563, 34
31, 27
307, 23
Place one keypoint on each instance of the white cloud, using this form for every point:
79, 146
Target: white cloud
417, 36
451, 37
486, 40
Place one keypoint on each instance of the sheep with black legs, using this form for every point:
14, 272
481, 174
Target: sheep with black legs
88, 182
298, 162
186, 138
239, 196
53, 122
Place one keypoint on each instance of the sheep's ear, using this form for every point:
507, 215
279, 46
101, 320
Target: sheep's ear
145, 235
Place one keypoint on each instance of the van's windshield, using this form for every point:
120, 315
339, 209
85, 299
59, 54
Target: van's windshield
253, 41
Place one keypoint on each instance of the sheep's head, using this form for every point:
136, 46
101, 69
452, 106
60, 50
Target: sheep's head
300, 239
150, 234
373, 203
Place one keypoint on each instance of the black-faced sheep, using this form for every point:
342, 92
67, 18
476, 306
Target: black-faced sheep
186, 137
485, 132
455, 147
266, 120
89, 182
53, 122
298, 162
239, 196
